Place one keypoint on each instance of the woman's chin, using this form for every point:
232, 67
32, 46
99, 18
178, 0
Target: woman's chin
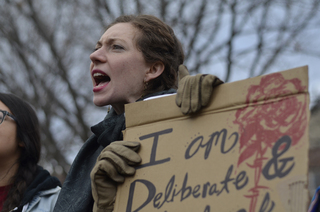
99, 102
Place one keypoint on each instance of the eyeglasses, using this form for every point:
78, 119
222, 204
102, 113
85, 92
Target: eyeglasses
3, 115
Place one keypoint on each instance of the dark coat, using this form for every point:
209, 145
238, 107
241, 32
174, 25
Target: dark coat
41, 194
75, 195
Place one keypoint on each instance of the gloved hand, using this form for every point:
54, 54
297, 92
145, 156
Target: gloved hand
113, 162
194, 92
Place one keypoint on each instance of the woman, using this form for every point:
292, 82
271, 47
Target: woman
24, 186
137, 57
315, 202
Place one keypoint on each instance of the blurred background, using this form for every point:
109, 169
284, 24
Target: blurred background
45, 48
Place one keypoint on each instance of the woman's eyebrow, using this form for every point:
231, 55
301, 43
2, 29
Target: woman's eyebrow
98, 43
111, 40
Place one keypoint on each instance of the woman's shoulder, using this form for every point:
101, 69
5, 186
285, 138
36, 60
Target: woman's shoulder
44, 201
50, 192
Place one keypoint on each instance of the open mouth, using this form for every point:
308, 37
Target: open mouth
100, 78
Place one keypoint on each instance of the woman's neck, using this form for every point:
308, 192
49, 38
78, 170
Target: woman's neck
7, 171
118, 108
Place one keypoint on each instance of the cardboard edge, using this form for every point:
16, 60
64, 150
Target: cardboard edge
224, 96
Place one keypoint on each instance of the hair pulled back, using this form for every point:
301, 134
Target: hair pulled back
157, 42
28, 135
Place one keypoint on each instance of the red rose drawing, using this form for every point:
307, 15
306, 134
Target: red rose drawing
261, 125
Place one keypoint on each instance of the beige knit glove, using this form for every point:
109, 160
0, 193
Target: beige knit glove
113, 163
194, 92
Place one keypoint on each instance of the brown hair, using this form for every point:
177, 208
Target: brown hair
157, 42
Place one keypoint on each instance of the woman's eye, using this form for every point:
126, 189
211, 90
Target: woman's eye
117, 47
95, 49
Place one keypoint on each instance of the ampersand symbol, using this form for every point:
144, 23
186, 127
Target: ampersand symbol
274, 161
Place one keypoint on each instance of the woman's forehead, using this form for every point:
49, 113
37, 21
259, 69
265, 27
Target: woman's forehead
4, 107
122, 31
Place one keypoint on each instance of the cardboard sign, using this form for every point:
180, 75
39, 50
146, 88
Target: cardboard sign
246, 152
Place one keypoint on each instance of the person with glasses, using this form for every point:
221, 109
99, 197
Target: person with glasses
24, 185
136, 57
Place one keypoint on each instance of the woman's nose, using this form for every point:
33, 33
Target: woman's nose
98, 56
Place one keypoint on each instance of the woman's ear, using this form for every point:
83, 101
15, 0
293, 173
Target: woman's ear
156, 69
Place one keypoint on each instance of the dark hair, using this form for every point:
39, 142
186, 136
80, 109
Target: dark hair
157, 42
28, 135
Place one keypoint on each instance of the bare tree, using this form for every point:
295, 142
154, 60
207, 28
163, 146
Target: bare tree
45, 47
